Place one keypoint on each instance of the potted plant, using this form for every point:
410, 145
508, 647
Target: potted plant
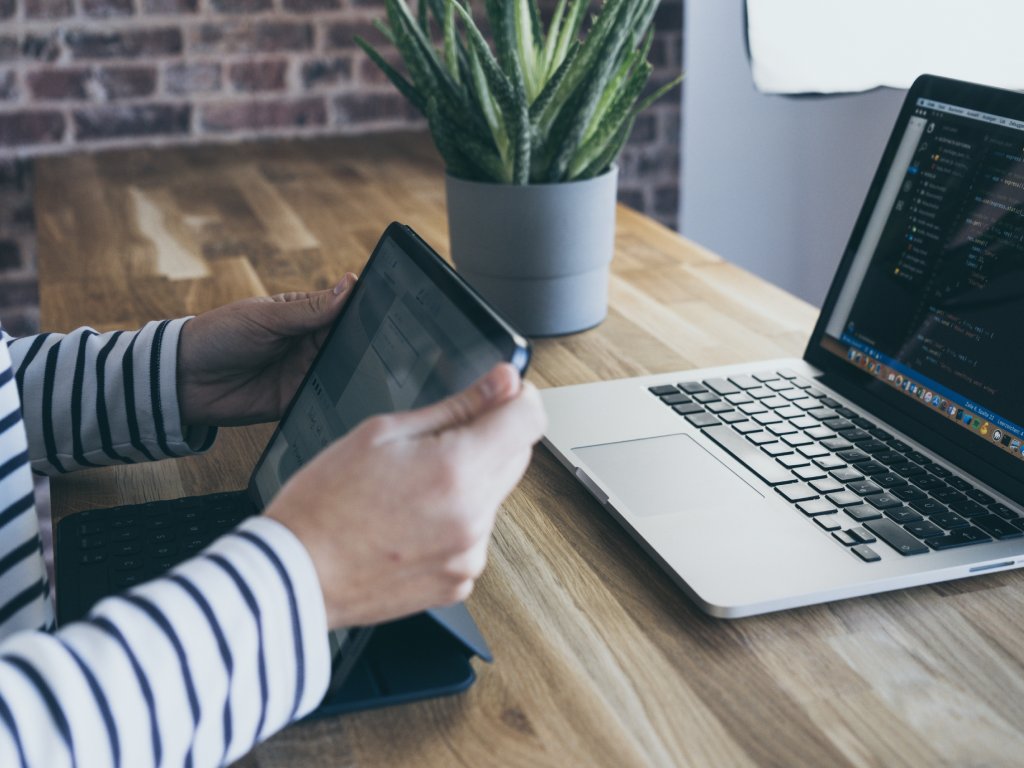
529, 132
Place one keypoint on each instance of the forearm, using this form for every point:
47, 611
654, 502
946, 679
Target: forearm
204, 663
93, 399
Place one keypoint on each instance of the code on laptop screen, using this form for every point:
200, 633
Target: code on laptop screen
935, 295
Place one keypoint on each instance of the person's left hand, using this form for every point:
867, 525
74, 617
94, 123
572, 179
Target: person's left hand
241, 363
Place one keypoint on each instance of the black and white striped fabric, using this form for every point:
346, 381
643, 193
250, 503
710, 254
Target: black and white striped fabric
191, 669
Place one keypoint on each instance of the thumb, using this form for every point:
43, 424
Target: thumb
296, 314
499, 385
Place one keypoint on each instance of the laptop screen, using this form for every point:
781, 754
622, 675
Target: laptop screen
933, 300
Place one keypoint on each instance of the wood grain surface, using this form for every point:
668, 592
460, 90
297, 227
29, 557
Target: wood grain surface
600, 660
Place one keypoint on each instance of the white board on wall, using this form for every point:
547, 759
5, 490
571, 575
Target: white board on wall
844, 46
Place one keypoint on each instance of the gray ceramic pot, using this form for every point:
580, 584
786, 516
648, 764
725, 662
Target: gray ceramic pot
539, 253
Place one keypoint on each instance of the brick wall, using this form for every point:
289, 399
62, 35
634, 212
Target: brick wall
82, 75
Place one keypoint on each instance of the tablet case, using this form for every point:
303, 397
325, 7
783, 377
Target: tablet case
419, 657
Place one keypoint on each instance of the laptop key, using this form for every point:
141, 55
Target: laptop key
687, 408
864, 487
863, 535
846, 475
702, 420
865, 553
925, 529
706, 397
1003, 511
828, 522
830, 462
666, 389
844, 538
978, 495
908, 493
732, 417
722, 386
928, 506
889, 480
761, 438
797, 492
968, 508
844, 499
897, 538
863, 512
793, 461
762, 465
692, 387
745, 381
884, 501
746, 427
815, 507
948, 520
826, 485
776, 449
996, 527
903, 515
853, 456
809, 473
958, 538
677, 398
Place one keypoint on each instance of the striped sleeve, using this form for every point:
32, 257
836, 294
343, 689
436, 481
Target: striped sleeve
191, 669
92, 399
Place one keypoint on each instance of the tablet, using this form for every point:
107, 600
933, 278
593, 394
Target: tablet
412, 333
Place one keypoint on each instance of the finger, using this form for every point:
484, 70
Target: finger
505, 430
296, 314
490, 391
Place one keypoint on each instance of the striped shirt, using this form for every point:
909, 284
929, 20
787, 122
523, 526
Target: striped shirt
191, 669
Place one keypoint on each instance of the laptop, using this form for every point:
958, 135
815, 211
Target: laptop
890, 455
411, 333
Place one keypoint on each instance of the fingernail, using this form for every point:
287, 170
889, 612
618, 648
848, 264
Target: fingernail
488, 389
344, 285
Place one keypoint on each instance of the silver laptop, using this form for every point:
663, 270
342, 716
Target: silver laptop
890, 455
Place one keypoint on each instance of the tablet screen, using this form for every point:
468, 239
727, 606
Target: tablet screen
410, 335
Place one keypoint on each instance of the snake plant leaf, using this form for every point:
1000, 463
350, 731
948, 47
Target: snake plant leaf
541, 105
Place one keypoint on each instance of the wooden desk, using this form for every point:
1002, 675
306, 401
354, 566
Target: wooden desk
600, 659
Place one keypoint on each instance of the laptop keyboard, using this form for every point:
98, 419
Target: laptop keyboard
106, 550
859, 483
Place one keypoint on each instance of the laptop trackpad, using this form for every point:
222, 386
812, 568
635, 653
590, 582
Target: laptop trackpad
660, 475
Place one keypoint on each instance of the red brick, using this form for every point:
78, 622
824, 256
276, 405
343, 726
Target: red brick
160, 41
326, 72
10, 255
310, 6
342, 35
236, 116
371, 107
47, 9
237, 36
127, 82
59, 83
30, 127
125, 121
258, 75
240, 6
169, 6
371, 74
201, 77
8, 86
41, 47
17, 293
102, 9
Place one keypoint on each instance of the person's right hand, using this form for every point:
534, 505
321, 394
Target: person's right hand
397, 514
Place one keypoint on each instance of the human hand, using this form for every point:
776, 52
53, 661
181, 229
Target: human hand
397, 514
241, 363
